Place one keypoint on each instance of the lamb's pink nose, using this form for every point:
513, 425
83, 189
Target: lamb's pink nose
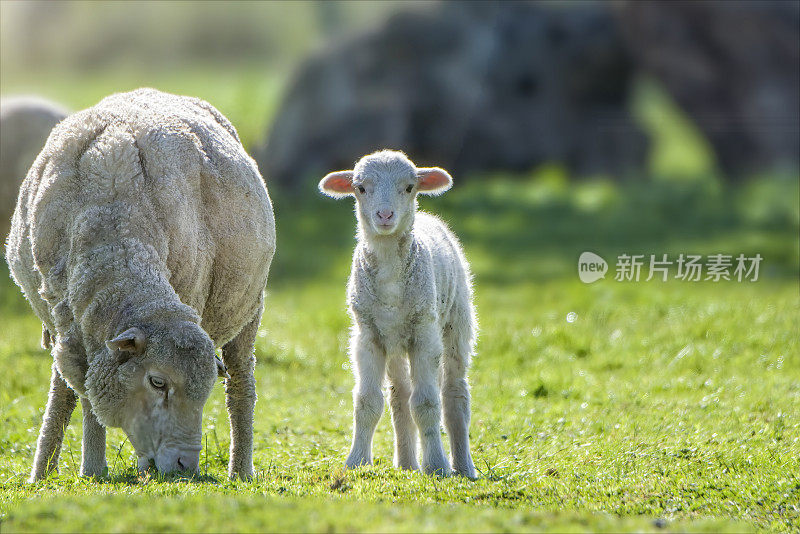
385, 215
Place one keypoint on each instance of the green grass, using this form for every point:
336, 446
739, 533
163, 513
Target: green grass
661, 405
246, 94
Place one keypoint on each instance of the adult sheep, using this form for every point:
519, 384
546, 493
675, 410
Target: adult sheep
25, 123
142, 239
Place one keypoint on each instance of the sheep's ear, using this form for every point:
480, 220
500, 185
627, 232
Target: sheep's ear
337, 184
129, 343
433, 181
222, 371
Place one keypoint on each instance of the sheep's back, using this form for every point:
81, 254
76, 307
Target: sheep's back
167, 170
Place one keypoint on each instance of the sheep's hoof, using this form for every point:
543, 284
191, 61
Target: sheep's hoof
95, 471
38, 476
96, 476
243, 474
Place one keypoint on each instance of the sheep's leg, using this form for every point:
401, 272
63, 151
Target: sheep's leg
426, 407
369, 365
456, 400
61, 401
240, 398
405, 432
93, 451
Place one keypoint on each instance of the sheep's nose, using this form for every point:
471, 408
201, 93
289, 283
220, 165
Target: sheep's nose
385, 215
189, 461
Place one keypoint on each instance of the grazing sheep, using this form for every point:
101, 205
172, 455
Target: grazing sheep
25, 123
142, 239
411, 302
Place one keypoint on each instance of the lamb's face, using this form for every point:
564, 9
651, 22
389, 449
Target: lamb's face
162, 383
386, 191
385, 185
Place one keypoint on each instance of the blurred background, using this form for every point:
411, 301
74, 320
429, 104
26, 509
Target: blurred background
615, 124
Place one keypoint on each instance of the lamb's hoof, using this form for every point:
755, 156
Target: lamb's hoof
466, 473
407, 467
441, 471
356, 461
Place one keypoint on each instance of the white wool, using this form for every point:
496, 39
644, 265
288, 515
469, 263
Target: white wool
410, 298
144, 218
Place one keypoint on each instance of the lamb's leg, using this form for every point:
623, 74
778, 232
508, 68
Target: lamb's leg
405, 431
240, 398
369, 365
424, 356
61, 401
456, 400
93, 451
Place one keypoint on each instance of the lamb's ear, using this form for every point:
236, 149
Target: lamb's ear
129, 343
433, 180
222, 371
337, 184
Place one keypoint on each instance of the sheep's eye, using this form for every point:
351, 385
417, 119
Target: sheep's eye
361, 189
157, 382
410, 188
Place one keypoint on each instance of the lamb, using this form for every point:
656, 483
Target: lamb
410, 299
25, 123
142, 239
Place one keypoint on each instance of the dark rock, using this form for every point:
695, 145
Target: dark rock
733, 66
467, 86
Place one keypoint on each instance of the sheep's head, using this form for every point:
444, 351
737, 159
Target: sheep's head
153, 385
385, 185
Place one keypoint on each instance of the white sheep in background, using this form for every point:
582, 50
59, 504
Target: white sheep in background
142, 239
25, 123
410, 298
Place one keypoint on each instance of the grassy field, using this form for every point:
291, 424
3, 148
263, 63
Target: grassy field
611, 406
247, 94
615, 406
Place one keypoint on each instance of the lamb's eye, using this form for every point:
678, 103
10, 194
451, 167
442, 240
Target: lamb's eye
410, 188
361, 189
157, 382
